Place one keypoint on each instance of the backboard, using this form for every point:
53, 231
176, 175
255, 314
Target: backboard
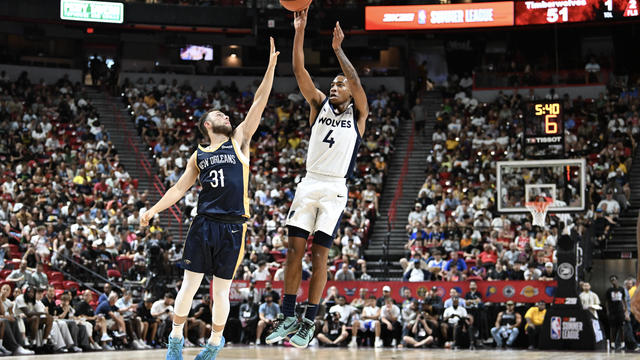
563, 180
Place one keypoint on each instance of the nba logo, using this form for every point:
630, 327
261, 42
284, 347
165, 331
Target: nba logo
556, 327
422, 17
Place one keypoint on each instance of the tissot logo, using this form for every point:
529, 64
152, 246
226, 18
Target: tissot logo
406, 17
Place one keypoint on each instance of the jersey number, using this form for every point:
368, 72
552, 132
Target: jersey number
329, 140
216, 179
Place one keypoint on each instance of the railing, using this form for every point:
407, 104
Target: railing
92, 273
385, 249
147, 167
493, 80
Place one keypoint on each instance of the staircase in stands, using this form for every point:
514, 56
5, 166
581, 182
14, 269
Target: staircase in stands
623, 242
404, 180
135, 155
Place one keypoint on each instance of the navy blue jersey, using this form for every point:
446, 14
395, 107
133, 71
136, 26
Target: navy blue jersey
224, 177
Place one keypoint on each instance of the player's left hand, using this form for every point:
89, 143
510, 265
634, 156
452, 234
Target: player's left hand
273, 54
338, 36
635, 305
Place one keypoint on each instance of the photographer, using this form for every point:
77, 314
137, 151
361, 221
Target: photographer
456, 324
334, 332
421, 333
507, 325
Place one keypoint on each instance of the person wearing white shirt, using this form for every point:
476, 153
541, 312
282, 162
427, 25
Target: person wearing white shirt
369, 319
262, 272
348, 234
612, 208
348, 316
391, 328
590, 300
458, 324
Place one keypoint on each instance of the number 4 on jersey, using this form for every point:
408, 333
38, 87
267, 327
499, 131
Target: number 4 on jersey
329, 140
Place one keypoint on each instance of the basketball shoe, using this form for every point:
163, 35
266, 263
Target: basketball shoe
304, 335
174, 349
285, 327
210, 351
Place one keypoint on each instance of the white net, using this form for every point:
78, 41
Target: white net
538, 210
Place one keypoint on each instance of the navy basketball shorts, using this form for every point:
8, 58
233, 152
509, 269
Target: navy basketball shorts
214, 248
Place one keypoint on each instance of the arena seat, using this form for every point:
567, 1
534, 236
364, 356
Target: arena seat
113, 273
58, 285
71, 285
5, 273
124, 263
55, 276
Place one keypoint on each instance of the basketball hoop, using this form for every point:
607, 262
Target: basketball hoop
538, 210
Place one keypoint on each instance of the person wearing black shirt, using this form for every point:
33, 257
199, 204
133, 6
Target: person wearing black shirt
333, 331
434, 300
616, 310
84, 311
507, 324
475, 307
248, 320
149, 323
516, 273
197, 323
68, 327
274, 294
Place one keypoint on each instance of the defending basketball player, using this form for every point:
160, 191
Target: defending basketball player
635, 300
337, 125
216, 238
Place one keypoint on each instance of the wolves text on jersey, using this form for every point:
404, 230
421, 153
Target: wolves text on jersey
335, 123
217, 159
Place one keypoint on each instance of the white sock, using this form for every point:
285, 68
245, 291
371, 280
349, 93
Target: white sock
215, 338
176, 331
201, 340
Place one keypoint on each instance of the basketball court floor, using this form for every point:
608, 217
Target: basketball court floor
281, 353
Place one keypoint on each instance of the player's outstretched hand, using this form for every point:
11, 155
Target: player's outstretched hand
635, 305
300, 19
146, 217
338, 36
273, 54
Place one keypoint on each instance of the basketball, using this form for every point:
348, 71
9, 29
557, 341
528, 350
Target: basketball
295, 5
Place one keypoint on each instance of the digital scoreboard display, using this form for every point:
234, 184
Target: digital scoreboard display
532, 12
447, 16
544, 129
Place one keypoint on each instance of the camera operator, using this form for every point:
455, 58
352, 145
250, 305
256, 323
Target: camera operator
420, 333
334, 332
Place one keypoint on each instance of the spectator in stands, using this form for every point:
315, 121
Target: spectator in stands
417, 273
161, 310
268, 289
391, 327
477, 310
348, 316
369, 320
29, 309
115, 322
13, 339
38, 279
21, 275
456, 262
386, 294
248, 320
84, 311
534, 318
507, 325
592, 71
549, 273
262, 272
532, 272
149, 323
345, 273
65, 332
610, 206
267, 313
127, 309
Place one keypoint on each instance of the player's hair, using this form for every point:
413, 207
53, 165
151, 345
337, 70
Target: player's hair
203, 118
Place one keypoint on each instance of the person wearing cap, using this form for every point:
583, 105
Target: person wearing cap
386, 294
149, 323
535, 318
612, 207
549, 273
507, 325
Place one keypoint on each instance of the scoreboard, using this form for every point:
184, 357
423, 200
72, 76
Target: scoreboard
531, 12
544, 130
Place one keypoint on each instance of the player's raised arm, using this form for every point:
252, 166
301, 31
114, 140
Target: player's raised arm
175, 193
313, 96
250, 124
357, 91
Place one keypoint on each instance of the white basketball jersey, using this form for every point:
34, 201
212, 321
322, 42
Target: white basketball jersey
334, 142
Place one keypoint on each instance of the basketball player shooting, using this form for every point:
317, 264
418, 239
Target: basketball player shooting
635, 300
337, 126
216, 238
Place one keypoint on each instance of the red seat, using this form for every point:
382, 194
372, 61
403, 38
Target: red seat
278, 256
113, 273
124, 263
470, 263
272, 271
55, 276
5, 273
58, 285
71, 285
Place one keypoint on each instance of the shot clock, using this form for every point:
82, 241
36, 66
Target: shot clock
544, 130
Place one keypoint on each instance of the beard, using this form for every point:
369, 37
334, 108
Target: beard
222, 129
